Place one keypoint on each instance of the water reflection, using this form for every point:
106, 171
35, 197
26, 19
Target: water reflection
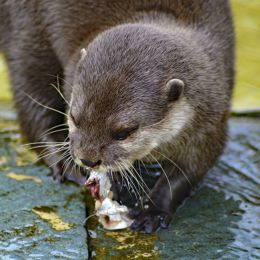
241, 182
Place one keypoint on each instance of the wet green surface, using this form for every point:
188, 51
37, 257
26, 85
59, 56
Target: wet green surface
26, 193
220, 221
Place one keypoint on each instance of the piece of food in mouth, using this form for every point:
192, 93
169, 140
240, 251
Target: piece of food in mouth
111, 214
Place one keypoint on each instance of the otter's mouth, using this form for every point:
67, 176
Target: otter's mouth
94, 188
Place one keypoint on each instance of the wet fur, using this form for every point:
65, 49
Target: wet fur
42, 39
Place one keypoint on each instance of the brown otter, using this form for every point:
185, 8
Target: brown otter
148, 80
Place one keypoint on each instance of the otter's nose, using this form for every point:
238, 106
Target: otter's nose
90, 163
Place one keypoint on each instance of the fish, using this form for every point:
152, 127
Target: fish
110, 213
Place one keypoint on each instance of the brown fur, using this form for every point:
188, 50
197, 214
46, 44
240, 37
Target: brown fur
133, 48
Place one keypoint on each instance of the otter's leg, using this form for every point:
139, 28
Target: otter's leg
167, 194
182, 176
32, 73
196, 157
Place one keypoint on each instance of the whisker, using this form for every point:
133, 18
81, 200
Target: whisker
64, 155
67, 163
49, 149
46, 146
176, 165
134, 188
88, 217
38, 143
56, 131
47, 153
110, 173
47, 107
124, 179
128, 170
140, 173
170, 187
144, 167
141, 179
141, 186
54, 127
65, 81
57, 88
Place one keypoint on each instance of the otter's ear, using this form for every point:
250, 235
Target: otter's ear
83, 53
174, 89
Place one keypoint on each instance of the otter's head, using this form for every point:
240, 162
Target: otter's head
128, 97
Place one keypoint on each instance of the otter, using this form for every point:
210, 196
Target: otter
138, 80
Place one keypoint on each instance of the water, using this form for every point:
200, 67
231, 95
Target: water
38, 218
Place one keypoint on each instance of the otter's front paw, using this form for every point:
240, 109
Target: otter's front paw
58, 173
60, 176
149, 219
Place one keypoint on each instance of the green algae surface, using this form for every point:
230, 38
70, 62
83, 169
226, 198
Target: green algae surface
38, 218
43, 220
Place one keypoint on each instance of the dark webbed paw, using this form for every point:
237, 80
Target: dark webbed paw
149, 219
70, 174
58, 173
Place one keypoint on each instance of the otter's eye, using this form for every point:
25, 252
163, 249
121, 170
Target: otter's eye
123, 134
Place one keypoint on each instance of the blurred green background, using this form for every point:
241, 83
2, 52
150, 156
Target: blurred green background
247, 90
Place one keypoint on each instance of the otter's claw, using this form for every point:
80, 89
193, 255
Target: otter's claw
149, 220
